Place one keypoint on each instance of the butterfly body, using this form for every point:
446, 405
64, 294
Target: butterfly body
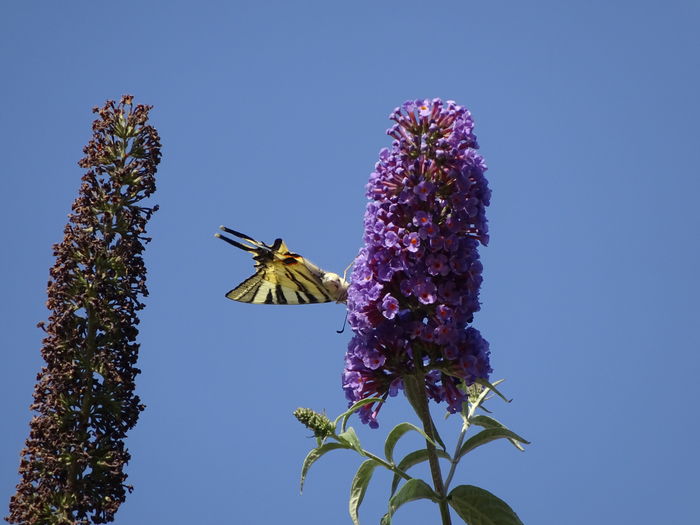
283, 277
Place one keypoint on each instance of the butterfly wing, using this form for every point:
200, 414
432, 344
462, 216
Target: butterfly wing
281, 277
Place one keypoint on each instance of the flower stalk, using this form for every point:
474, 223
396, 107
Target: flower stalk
72, 467
419, 401
411, 304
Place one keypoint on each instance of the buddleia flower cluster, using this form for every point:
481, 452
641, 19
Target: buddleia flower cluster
72, 468
415, 283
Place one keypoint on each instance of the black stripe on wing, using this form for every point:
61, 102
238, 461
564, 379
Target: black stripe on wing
296, 270
304, 289
279, 295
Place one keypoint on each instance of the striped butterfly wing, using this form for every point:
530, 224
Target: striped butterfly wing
281, 282
281, 277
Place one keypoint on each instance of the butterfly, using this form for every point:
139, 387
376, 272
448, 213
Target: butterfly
283, 277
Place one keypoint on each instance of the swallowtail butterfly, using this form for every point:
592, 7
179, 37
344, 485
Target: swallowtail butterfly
283, 277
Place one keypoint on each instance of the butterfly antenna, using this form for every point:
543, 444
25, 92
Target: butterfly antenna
344, 323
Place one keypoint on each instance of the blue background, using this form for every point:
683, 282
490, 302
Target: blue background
271, 116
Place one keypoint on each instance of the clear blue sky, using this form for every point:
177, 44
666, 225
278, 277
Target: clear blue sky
271, 116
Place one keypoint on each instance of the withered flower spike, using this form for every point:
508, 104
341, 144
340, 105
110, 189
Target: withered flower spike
72, 467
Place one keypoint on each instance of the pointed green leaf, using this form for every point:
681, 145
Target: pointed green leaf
486, 436
412, 490
489, 422
386, 520
477, 506
415, 457
313, 455
359, 487
395, 434
438, 439
486, 422
354, 408
349, 438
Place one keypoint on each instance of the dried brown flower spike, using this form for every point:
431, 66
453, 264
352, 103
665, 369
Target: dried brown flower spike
72, 467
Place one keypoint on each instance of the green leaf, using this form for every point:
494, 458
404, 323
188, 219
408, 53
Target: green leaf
438, 439
395, 434
315, 454
477, 506
349, 438
354, 408
486, 422
412, 490
486, 436
359, 487
489, 422
415, 457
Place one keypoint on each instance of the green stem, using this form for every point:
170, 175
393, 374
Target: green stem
466, 418
415, 391
455, 459
385, 464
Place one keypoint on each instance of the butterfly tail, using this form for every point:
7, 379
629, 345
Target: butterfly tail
257, 245
256, 248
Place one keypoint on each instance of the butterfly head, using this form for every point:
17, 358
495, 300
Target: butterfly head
336, 286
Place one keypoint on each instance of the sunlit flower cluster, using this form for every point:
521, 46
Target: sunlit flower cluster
415, 284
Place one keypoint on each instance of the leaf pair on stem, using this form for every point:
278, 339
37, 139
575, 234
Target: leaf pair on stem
473, 504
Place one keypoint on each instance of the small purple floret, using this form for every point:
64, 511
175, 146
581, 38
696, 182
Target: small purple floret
425, 291
412, 241
424, 189
390, 306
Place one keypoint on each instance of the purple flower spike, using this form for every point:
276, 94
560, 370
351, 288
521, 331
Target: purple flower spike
415, 284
